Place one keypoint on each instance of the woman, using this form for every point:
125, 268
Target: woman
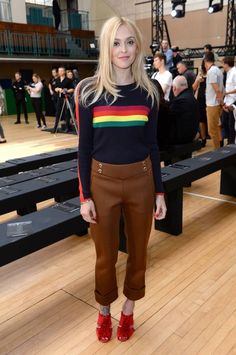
199, 87
35, 91
119, 167
2, 136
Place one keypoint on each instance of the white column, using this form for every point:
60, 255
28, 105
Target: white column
18, 11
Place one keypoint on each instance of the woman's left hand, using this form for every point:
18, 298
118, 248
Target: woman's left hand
160, 212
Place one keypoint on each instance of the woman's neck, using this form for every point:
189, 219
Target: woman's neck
123, 76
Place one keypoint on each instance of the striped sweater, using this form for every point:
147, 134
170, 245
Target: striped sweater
121, 133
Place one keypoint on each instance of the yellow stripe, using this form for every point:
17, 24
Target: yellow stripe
120, 118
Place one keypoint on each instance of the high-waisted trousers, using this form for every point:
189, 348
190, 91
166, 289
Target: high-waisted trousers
126, 189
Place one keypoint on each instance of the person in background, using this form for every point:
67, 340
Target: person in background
214, 99
18, 87
199, 87
35, 91
52, 85
63, 87
2, 136
184, 113
228, 120
168, 53
119, 168
190, 76
176, 59
208, 49
163, 76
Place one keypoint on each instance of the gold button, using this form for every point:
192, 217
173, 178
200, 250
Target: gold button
100, 165
144, 168
100, 171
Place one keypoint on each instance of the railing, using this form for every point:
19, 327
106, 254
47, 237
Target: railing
42, 15
49, 45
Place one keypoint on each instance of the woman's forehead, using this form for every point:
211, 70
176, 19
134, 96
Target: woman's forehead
125, 31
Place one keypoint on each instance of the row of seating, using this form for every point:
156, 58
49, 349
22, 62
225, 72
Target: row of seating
13, 166
63, 219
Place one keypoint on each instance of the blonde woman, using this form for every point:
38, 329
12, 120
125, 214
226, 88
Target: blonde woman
119, 168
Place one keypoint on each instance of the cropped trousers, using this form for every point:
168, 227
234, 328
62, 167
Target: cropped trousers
127, 190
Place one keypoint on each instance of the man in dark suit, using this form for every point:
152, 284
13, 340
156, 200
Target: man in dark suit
18, 87
184, 113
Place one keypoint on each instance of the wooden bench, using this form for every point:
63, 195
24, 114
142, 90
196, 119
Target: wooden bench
47, 226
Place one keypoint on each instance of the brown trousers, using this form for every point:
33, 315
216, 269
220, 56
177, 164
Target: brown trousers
127, 189
213, 122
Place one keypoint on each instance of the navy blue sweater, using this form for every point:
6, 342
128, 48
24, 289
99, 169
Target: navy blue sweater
121, 133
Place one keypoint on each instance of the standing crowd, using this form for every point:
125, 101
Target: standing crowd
200, 104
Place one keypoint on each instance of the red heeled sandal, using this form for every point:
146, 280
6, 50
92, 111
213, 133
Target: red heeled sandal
104, 328
126, 327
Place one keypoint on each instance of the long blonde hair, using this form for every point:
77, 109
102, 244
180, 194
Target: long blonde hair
103, 83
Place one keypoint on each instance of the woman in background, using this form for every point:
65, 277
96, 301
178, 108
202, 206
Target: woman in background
199, 87
35, 91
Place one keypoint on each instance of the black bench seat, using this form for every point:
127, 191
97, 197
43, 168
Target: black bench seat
183, 173
13, 166
24, 196
32, 174
47, 226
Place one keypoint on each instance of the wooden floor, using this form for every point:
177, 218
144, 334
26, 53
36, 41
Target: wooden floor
46, 299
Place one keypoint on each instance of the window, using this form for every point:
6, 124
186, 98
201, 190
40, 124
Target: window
5, 10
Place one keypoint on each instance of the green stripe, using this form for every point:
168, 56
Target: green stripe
118, 124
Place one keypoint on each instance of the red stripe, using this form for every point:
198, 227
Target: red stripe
82, 199
120, 110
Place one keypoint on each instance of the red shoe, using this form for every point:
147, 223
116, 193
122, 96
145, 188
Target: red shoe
104, 328
126, 327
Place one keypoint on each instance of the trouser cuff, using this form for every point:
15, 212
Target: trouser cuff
107, 299
133, 294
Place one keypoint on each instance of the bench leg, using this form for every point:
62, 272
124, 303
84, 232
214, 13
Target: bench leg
26, 210
173, 223
228, 181
83, 228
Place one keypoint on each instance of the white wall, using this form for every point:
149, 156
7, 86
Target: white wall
18, 11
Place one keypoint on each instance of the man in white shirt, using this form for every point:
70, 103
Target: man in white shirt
165, 49
228, 120
163, 76
214, 98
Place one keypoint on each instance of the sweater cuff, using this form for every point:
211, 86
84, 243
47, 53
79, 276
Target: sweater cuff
84, 199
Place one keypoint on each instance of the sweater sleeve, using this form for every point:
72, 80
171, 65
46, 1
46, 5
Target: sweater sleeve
154, 150
85, 151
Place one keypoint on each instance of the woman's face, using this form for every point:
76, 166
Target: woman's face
35, 79
124, 49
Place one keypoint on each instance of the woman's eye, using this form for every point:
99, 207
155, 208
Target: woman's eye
131, 42
116, 44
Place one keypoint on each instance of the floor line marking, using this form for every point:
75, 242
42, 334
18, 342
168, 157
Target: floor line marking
209, 197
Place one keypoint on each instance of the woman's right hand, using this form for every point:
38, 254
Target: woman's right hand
88, 211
